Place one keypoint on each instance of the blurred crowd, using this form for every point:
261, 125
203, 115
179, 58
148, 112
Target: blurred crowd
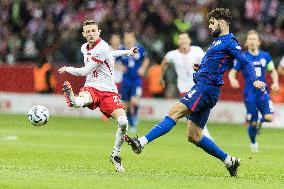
32, 28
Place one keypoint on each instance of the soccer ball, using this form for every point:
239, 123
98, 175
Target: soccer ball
38, 115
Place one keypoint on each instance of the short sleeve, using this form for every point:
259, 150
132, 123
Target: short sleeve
200, 54
237, 65
168, 57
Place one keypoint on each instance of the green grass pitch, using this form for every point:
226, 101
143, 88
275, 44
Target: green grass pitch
73, 153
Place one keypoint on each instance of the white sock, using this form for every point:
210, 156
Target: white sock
228, 161
206, 133
121, 131
80, 101
143, 141
118, 142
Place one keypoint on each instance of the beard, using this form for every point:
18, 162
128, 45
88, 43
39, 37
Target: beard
215, 33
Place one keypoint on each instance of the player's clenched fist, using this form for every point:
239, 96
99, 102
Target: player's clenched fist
62, 70
259, 84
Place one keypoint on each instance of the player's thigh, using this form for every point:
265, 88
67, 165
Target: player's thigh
178, 111
199, 118
266, 108
125, 93
109, 103
252, 111
119, 112
136, 93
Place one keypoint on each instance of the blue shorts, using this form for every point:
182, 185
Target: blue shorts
260, 103
128, 91
201, 99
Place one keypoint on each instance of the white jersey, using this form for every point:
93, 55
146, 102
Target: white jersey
282, 62
102, 76
183, 64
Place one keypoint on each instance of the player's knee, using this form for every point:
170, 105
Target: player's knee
194, 137
253, 123
268, 117
122, 122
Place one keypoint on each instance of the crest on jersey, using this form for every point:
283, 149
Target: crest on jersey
215, 43
263, 62
238, 47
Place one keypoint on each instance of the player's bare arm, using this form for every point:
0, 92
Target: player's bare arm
144, 67
233, 79
130, 52
275, 80
164, 66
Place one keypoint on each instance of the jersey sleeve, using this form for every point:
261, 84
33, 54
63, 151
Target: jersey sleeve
200, 55
168, 57
237, 65
235, 50
270, 65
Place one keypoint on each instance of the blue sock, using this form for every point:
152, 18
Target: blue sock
135, 116
252, 133
211, 148
162, 128
129, 118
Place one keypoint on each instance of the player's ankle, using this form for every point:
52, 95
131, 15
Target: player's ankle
228, 161
143, 141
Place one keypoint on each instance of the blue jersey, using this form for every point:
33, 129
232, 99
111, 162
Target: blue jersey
260, 63
132, 64
219, 58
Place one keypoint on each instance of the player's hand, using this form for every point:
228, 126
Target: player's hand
259, 84
133, 50
196, 67
62, 70
141, 72
275, 87
235, 83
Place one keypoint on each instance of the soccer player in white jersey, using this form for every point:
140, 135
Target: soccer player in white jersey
99, 89
183, 60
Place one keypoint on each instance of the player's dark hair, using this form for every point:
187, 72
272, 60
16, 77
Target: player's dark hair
90, 22
253, 32
220, 14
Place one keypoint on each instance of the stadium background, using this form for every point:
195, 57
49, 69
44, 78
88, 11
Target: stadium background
33, 29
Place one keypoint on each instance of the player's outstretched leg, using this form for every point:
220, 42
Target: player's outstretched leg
177, 112
119, 115
196, 137
83, 100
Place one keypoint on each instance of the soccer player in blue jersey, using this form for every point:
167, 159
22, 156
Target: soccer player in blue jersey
198, 102
131, 88
256, 101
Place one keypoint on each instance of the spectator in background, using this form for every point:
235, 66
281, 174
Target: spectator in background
279, 96
115, 44
154, 83
281, 67
44, 79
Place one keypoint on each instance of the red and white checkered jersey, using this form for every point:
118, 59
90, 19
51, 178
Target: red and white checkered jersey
102, 77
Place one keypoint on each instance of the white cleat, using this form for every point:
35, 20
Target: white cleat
116, 161
254, 148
